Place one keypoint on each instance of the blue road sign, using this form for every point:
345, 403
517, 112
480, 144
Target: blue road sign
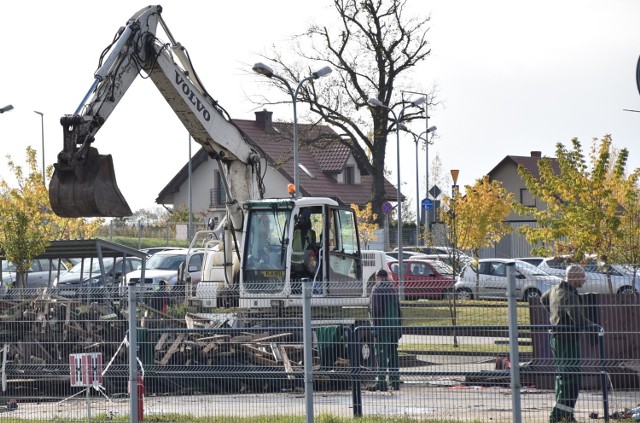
427, 204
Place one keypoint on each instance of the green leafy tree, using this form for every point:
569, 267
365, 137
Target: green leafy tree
627, 249
583, 213
367, 223
373, 52
27, 223
478, 218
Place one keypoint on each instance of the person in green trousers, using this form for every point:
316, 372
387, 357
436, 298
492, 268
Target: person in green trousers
563, 304
386, 317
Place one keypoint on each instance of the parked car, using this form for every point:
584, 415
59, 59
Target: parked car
86, 279
622, 281
406, 255
162, 269
531, 281
439, 250
423, 279
445, 258
40, 275
152, 250
532, 260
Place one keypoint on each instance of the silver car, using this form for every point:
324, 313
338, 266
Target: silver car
491, 278
622, 282
40, 275
162, 268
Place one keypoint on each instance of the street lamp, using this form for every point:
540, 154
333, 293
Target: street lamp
374, 102
42, 129
265, 70
416, 139
6, 108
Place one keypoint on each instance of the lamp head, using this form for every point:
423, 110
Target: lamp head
374, 102
263, 69
6, 108
321, 72
432, 129
403, 127
418, 101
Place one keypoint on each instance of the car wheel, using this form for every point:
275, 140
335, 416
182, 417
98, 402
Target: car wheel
627, 290
531, 293
464, 294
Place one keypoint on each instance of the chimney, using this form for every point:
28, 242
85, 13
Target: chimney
263, 119
536, 154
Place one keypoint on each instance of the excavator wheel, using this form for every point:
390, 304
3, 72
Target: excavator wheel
87, 189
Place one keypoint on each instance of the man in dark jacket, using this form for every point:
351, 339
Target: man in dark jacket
563, 304
386, 317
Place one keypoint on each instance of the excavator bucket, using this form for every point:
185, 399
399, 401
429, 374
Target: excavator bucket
87, 189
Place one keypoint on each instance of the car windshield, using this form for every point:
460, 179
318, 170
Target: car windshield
166, 261
92, 265
530, 269
442, 267
7, 266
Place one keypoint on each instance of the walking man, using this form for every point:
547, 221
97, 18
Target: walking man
563, 304
386, 316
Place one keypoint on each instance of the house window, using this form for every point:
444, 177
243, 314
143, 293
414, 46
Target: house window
218, 197
526, 199
349, 175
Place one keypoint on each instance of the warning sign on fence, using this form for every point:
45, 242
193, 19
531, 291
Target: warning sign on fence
86, 369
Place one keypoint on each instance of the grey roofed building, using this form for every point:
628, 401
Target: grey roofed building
327, 168
507, 172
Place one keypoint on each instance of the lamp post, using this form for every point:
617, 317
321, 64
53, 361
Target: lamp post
374, 102
6, 108
42, 130
416, 139
454, 233
427, 226
265, 70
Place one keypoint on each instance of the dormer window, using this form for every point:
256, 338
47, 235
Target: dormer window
349, 174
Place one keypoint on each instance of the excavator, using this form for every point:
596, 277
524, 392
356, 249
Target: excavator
264, 249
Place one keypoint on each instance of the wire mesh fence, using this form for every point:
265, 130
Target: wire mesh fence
66, 355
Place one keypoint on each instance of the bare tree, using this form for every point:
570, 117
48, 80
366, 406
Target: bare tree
373, 52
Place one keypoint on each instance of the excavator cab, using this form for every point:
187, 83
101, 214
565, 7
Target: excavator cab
84, 182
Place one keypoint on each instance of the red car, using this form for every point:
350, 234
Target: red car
429, 279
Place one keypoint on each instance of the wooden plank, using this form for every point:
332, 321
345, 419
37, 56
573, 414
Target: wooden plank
161, 341
287, 364
264, 361
276, 352
67, 319
217, 337
45, 352
189, 321
212, 346
253, 350
269, 338
174, 347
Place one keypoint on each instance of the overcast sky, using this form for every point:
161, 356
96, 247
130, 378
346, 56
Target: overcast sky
512, 77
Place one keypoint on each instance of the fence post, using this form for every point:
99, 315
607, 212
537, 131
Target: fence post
133, 355
308, 345
356, 386
514, 351
603, 375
